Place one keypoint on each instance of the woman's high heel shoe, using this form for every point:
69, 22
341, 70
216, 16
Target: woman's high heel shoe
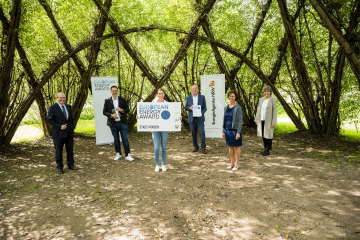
235, 168
230, 167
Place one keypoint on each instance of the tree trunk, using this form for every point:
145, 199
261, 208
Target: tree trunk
8, 64
314, 122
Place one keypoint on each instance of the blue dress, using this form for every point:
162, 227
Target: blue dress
230, 133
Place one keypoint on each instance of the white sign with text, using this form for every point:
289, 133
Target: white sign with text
158, 116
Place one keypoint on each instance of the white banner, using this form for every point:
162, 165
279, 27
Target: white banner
213, 88
101, 90
158, 116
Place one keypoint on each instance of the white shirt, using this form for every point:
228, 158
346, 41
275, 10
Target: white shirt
195, 100
263, 109
67, 114
116, 105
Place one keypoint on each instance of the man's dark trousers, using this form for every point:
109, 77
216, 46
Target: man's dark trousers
194, 126
59, 146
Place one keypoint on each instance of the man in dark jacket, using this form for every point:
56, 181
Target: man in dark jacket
196, 123
115, 108
60, 117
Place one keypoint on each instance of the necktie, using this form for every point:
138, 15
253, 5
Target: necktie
63, 110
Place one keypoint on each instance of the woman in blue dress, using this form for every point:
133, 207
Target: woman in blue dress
232, 125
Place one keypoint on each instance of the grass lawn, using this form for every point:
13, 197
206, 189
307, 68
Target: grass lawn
285, 127
86, 127
350, 134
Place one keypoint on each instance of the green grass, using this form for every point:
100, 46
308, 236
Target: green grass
351, 135
85, 127
285, 127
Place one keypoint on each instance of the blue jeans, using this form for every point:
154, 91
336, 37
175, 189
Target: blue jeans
123, 129
194, 126
156, 140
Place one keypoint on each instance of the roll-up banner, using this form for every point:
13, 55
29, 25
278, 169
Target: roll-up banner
101, 90
213, 88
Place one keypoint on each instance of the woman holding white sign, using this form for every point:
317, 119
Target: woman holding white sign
160, 139
232, 125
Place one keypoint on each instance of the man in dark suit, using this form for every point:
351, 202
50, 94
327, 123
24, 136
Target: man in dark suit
115, 109
60, 117
196, 122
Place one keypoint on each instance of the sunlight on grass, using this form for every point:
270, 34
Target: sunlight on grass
285, 127
28, 139
85, 127
350, 134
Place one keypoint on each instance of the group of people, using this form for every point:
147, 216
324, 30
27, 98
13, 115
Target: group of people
115, 108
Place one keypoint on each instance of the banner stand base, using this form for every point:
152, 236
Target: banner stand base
99, 144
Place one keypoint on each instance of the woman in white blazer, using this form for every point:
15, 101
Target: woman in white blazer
266, 119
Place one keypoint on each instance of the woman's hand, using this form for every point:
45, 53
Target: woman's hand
223, 135
272, 126
137, 117
237, 136
180, 118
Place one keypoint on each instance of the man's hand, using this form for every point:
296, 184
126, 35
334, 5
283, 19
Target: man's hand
272, 126
256, 123
119, 109
191, 108
63, 127
114, 116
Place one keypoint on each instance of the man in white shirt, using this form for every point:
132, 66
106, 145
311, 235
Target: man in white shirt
115, 109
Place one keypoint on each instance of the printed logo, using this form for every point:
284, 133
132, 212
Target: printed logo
212, 83
177, 126
165, 115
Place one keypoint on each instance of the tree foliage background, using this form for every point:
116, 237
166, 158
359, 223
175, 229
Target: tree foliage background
307, 51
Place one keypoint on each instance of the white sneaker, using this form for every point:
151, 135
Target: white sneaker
163, 168
157, 168
117, 157
129, 158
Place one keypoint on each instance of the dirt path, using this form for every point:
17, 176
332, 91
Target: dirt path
287, 195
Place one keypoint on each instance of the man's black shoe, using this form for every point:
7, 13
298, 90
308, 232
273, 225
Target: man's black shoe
60, 171
72, 167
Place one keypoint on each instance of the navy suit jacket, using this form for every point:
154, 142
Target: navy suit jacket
189, 103
56, 118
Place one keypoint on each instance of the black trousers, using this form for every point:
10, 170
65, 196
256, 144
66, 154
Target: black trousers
267, 142
59, 146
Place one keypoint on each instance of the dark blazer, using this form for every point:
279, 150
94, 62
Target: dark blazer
189, 103
55, 117
109, 106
